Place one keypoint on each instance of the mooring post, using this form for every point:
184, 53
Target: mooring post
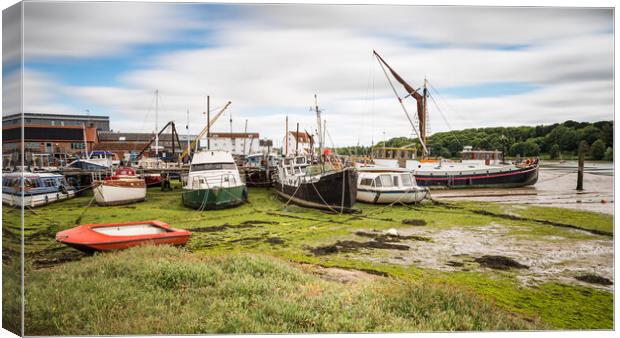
583, 145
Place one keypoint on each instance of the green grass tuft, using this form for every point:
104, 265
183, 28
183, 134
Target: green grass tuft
164, 290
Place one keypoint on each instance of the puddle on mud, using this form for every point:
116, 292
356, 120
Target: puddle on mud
548, 258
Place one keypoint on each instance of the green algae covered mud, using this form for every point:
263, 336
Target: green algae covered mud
445, 266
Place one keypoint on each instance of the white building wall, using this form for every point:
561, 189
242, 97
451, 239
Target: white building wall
235, 146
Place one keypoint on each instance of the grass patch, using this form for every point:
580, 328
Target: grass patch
164, 290
586, 220
264, 227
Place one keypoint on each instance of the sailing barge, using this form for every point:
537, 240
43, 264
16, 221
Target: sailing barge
473, 171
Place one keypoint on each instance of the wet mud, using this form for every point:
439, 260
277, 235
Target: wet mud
391, 238
218, 228
499, 262
416, 222
353, 246
594, 279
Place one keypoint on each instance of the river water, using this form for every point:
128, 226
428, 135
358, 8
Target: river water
556, 187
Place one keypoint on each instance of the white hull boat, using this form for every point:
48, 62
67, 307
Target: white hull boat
123, 188
388, 185
35, 200
38, 189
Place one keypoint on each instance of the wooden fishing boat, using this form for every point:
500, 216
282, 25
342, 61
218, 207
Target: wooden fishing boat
478, 168
122, 188
38, 189
213, 182
382, 185
116, 236
319, 186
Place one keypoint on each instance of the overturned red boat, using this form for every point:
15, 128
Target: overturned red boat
116, 236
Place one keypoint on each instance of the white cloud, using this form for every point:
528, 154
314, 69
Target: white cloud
271, 60
95, 29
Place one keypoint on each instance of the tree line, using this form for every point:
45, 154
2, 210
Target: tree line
553, 141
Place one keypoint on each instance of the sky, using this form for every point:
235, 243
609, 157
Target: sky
487, 66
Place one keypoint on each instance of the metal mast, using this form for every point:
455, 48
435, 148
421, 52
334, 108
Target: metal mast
156, 124
319, 125
208, 123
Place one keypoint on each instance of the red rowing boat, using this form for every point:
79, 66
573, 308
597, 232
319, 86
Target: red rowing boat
116, 236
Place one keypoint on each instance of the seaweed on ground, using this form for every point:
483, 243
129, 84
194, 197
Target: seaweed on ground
499, 262
352, 246
594, 279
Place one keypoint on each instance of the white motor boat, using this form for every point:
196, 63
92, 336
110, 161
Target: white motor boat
382, 185
38, 189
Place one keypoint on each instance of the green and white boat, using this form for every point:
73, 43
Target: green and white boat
213, 182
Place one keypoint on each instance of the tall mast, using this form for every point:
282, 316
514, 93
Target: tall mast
156, 124
208, 124
297, 140
245, 137
85, 142
232, 140
187, 128
319, 131
286, 138
411, 92
423, 122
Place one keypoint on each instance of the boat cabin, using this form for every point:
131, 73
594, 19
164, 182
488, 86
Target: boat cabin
394, 157
213, 168
386, 180
259, 160
489, 157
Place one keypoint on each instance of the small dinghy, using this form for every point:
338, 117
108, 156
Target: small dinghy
122, 188
116, 236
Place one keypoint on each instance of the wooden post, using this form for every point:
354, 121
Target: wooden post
583, 145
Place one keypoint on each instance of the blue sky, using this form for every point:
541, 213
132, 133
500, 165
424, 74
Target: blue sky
270, 60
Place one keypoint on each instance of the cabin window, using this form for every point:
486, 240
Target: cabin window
366, 181
31, 183
300, 160
49, 182
378, 182
213, 166
386, 180
406, 179
395, 180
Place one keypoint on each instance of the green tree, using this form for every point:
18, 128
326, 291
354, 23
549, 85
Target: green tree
590, 134
609, 154
597, 150
527, 148
554, 152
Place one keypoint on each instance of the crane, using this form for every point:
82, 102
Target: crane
204, 131
155, 138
